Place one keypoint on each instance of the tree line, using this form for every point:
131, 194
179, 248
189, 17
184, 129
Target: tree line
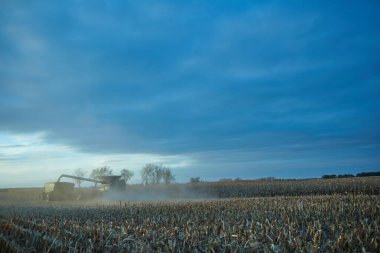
362, 174
150, 174
156, 174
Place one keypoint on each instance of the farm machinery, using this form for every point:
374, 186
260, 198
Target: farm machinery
63, 191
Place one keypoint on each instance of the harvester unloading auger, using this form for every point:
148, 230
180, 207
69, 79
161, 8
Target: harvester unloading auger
65, 190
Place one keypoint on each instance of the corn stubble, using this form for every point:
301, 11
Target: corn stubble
347, 222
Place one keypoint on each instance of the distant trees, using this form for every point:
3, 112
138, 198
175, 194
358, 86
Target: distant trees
345, 175
79, 173
156, 174
328, 176
368, 174
195, 180
98, 173
167, 176
363, 174
147, 174
126, 175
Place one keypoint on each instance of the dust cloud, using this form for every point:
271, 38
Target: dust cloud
157, 193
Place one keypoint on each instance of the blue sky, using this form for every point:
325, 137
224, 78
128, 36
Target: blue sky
216, 89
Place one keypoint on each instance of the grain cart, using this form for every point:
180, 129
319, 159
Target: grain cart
65, 190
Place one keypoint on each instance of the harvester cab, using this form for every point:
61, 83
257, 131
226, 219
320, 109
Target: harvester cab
110, 182
64, 191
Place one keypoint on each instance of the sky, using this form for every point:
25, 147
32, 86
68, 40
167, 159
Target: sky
215, 89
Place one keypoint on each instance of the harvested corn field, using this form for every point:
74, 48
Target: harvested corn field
320, 223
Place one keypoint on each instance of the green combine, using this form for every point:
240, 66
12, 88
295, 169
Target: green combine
64, 191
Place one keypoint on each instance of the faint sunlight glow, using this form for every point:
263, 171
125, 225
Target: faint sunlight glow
27, 160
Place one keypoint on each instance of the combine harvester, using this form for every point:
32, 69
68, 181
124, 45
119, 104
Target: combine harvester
64, 191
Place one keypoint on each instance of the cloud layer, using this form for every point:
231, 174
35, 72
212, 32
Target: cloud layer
277, 84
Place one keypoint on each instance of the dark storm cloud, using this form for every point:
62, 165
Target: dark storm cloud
271, 78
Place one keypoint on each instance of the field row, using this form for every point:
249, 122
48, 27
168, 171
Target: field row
337, 223
254, 188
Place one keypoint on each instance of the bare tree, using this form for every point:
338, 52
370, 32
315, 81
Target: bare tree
156, 174
147, 174
167, 175
79, 173
98, 173
127, 175
195, 180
